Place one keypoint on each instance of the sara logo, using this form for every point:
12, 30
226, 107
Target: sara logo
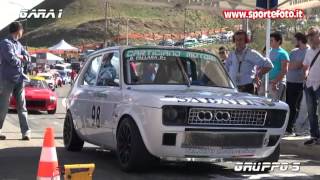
40, 13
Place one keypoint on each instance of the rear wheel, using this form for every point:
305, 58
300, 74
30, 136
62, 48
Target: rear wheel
131, 151
71, 140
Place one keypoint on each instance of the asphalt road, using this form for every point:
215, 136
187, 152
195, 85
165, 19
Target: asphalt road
19, 159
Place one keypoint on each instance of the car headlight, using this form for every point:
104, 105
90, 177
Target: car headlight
53, 98
174, 115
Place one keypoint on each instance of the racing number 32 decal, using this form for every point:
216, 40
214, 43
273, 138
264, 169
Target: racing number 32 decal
96, 116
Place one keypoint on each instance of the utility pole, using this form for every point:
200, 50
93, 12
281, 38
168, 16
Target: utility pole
106, 21
119, 33
127, 32
268, 31
184, 24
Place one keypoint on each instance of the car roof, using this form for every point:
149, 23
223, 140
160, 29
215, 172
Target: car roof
123, 48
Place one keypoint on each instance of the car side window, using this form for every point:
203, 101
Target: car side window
109, 73
90, 76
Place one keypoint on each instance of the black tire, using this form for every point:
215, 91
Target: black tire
274, 157
52, 111
71, 140
131, 151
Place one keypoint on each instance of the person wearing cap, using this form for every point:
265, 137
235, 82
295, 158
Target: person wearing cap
311, 66
223, 54
241, 64
12, 58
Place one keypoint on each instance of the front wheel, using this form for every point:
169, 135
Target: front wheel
131, 151
52, 111
274, 157
71, 140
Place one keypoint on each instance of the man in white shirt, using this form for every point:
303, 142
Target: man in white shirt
312, 90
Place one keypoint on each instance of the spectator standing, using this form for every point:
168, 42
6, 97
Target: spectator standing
241, 64
311, 68
295, 79
277, 76
13, 56
223, 54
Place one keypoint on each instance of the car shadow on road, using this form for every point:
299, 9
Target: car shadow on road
32, 112
307, 161
22, 163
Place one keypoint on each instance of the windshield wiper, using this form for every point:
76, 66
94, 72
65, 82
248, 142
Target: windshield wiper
184, 72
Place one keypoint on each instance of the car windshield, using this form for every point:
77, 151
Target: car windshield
174, 67
45, 77
62, 73
37, 84
59, 68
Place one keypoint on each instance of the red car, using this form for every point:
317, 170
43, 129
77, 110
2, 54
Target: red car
39, 96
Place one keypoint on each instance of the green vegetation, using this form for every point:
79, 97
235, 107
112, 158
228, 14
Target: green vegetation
83, 21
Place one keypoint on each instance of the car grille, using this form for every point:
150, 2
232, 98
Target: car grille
36, 103
241, 117
223, 139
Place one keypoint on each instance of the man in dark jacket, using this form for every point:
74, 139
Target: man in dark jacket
12, 58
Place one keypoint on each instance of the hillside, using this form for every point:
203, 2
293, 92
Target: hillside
83, 21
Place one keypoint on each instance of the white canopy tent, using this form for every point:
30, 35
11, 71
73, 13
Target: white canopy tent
63, 46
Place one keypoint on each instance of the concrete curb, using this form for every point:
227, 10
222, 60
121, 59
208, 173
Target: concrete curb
295, 146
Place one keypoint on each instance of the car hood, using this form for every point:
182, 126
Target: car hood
38, 93
213, 98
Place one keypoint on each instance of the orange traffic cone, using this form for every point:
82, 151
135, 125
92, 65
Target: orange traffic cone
48, 165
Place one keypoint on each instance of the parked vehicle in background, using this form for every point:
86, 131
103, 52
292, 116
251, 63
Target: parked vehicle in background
48, 77
203, 38
215, 37
66, 79
76, 66
150, 44
190, 42
210, 40
313, 18
82, 56
168, 42
173, 104
179, 43
39, 96
66, 67
301, 22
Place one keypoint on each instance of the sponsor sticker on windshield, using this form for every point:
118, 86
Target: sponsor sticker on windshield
161, 54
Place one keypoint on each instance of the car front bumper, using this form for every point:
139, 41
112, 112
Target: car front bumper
36, 104
208, 143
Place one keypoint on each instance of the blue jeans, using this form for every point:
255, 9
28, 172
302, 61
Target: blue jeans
312, 98
17, 90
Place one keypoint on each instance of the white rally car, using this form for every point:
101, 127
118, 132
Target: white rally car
173, 104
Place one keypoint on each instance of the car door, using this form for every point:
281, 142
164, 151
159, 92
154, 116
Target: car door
108, 96
85, 109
